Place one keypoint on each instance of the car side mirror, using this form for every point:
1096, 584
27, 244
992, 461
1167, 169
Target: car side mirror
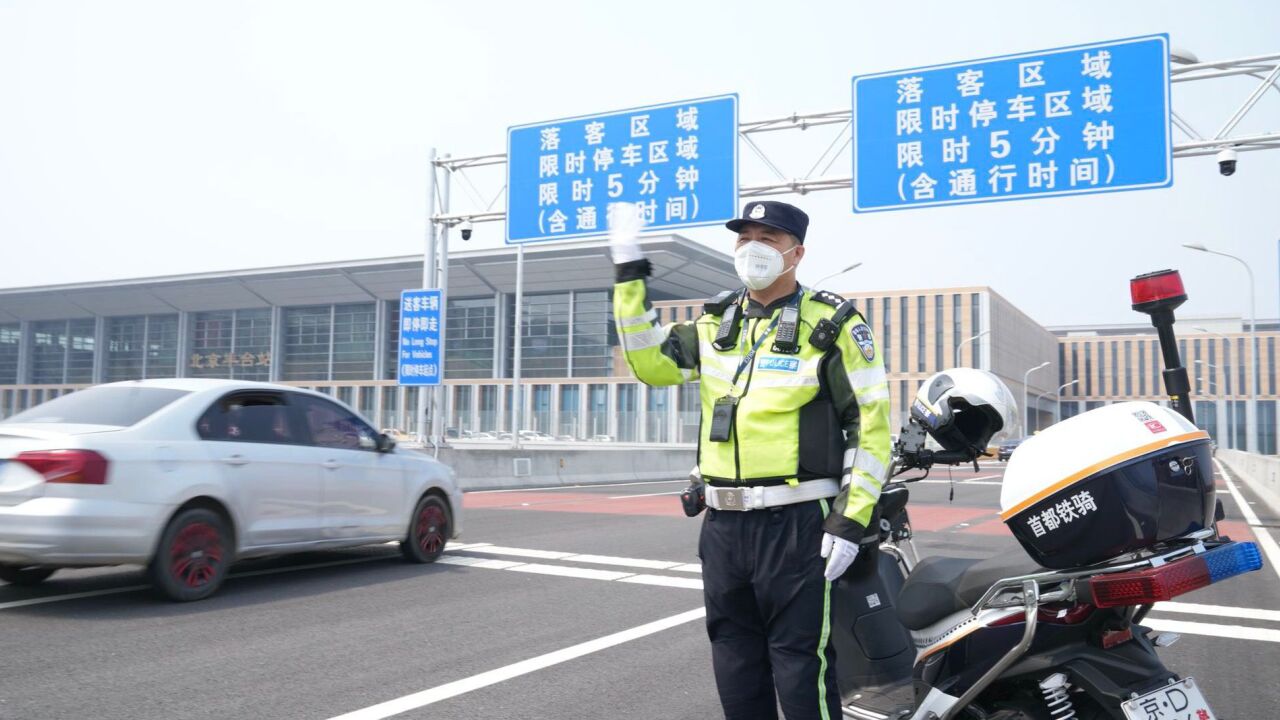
385, 443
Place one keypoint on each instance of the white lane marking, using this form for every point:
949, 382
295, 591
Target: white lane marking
959, 482
483, 563
980, 477
584, 573
625, 497
489, 549
664, 581
453, 545
1218, 611
1234, 632
573, 572
486, 563
1264, 538
625, 562
521, 552
524, 667
575, 487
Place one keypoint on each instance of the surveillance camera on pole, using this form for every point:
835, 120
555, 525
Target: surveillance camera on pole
1227, 161
466, 230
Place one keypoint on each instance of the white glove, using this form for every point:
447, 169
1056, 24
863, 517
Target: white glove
625, 224
839, 554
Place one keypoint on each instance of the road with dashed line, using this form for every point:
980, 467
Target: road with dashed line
579, 602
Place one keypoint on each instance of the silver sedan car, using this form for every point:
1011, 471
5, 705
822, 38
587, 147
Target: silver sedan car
186, 476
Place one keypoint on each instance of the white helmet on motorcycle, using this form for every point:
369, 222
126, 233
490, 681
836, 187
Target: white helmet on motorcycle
962, 408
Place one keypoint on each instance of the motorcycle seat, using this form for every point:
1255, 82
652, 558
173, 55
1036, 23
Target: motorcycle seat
940, 586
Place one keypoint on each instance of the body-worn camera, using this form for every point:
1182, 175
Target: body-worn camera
722, 413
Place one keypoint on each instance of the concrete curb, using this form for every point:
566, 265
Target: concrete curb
1261, 473
496, 468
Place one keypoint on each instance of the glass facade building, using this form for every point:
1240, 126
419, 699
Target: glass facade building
1219, 366
334, 328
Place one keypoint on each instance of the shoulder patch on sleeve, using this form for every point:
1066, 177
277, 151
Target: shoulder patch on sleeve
862, 336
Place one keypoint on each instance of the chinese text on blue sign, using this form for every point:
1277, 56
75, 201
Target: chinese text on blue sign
421, 362
1092, 118
678, 162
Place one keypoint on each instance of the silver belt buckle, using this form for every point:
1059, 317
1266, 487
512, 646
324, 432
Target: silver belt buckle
731, 498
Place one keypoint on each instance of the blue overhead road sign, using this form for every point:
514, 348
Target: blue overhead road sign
421, 361
1083, 119
678, 161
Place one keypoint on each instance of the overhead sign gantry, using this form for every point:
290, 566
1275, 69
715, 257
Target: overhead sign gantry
1083, 119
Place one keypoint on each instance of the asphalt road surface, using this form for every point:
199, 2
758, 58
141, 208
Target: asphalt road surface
565, 603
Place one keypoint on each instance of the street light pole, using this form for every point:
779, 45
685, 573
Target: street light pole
836, 273
1026, 395
1057, 409
428, 281
518, 359
1213, 384
966, 342
1251, 418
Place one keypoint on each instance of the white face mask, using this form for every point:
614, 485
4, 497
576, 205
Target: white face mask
758, 265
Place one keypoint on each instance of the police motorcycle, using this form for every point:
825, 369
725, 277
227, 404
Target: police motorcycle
1116, 511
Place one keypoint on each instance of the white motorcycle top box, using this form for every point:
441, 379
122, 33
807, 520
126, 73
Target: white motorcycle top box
1110, 481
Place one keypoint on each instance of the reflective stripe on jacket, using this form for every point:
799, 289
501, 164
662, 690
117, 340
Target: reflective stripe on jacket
799, 416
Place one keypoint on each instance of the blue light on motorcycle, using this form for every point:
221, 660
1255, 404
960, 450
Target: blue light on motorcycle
1165, 582
1233, 559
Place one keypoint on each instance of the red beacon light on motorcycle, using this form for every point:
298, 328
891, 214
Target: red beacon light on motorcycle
1160, 290
1157, 294
1165, 582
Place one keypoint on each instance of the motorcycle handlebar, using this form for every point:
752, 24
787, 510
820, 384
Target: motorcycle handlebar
924, 459
953, 457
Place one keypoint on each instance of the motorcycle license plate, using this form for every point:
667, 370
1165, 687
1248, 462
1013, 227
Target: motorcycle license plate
1179, 701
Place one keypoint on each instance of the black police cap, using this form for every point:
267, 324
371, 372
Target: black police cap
780, 215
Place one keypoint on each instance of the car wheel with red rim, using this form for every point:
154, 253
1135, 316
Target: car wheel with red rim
428, 530
193, 556
25, 574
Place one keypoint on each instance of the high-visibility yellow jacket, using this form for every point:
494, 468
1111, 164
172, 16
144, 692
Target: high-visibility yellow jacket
801, 416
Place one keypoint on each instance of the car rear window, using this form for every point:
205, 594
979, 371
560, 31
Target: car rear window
103, 405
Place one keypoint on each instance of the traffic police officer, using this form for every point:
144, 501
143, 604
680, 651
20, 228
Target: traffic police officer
793, 448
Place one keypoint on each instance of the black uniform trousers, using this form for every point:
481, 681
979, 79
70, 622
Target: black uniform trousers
768, 612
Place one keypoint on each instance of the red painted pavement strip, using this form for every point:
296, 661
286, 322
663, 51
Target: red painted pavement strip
923, 517
658, 505
1236, 530
934, 518
992, 526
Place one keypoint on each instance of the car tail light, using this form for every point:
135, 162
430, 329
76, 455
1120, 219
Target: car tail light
74, 467
1142, 587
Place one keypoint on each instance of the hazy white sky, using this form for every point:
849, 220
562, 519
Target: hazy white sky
153, 138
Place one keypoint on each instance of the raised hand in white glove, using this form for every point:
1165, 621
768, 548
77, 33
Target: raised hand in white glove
625, 224
839, 554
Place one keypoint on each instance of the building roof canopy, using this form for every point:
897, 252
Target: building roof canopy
682, 269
